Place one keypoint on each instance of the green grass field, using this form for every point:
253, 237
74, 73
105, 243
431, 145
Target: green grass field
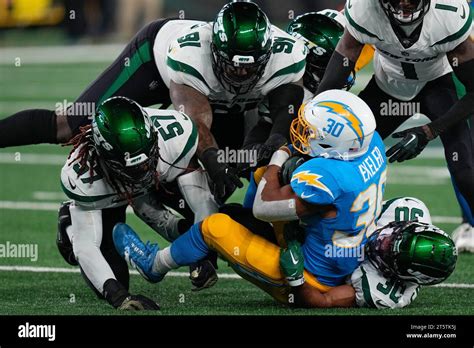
30, 192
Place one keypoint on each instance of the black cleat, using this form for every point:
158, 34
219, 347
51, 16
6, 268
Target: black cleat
62, 239
203, 275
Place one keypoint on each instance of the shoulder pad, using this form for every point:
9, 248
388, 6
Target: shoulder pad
287, 62
314, 184
451, 21
189, 59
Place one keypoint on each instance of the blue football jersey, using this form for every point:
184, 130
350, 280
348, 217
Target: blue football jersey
334, 246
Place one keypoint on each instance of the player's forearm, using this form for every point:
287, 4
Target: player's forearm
284, 103
464, 108
309, 297
206, 139
196, 105
274, 202
341, 64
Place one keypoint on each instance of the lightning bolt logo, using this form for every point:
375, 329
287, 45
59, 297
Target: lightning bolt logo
311, 179
345, 112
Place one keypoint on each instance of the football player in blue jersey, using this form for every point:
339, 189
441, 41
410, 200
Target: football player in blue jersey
336, 197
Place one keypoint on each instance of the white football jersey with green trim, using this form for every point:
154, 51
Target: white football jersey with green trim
177, 141
372, 288
403, 209
403, 72
189, 62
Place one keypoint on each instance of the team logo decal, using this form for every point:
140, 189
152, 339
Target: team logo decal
345, 112
311, 179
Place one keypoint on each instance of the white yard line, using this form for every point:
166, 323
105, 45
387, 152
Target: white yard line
60, 54
172, 274
76, 270
47, 206
52, 159
49, 196
32, 158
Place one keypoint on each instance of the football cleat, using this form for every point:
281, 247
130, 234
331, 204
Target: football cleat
463, 237
62, 239
203, 275
139, 255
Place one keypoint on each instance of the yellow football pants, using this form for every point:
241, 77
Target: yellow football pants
251, 256
365, 57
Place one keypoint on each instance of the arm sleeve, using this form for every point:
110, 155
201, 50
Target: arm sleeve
337, 72
284, 103
464, 108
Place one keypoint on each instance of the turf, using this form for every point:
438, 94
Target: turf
64, 293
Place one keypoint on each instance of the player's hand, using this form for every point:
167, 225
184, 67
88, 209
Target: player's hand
413, 142
138, 303
264, 152
292, 263
272, 144
286, 172
224, 178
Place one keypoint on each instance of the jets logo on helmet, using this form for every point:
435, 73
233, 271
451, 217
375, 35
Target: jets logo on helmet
335, 124
126, 141
241, 46
321, 32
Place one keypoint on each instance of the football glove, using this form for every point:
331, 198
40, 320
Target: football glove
286, 172
413, 142
264, 152
224, 178
292, 263
138, 303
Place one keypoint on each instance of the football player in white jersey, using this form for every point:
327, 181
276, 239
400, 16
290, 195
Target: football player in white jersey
123, 159
372, 288
212, 71
320, 32
419, 43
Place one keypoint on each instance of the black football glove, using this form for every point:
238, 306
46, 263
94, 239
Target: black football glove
119, 297
224, 178
264, 152
413, 142
272, 144
286, 172
138, 303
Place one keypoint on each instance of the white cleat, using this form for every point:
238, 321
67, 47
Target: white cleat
463, 237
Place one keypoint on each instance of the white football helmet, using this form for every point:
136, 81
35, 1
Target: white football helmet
334, 124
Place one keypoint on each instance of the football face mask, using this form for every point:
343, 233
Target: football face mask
405, 12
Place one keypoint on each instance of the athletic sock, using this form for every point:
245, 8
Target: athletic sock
187, 249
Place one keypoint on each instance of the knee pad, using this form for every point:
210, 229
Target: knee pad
239, 246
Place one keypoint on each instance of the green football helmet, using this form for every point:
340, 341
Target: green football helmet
126, 141
412, 251
321, 32
241, 46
